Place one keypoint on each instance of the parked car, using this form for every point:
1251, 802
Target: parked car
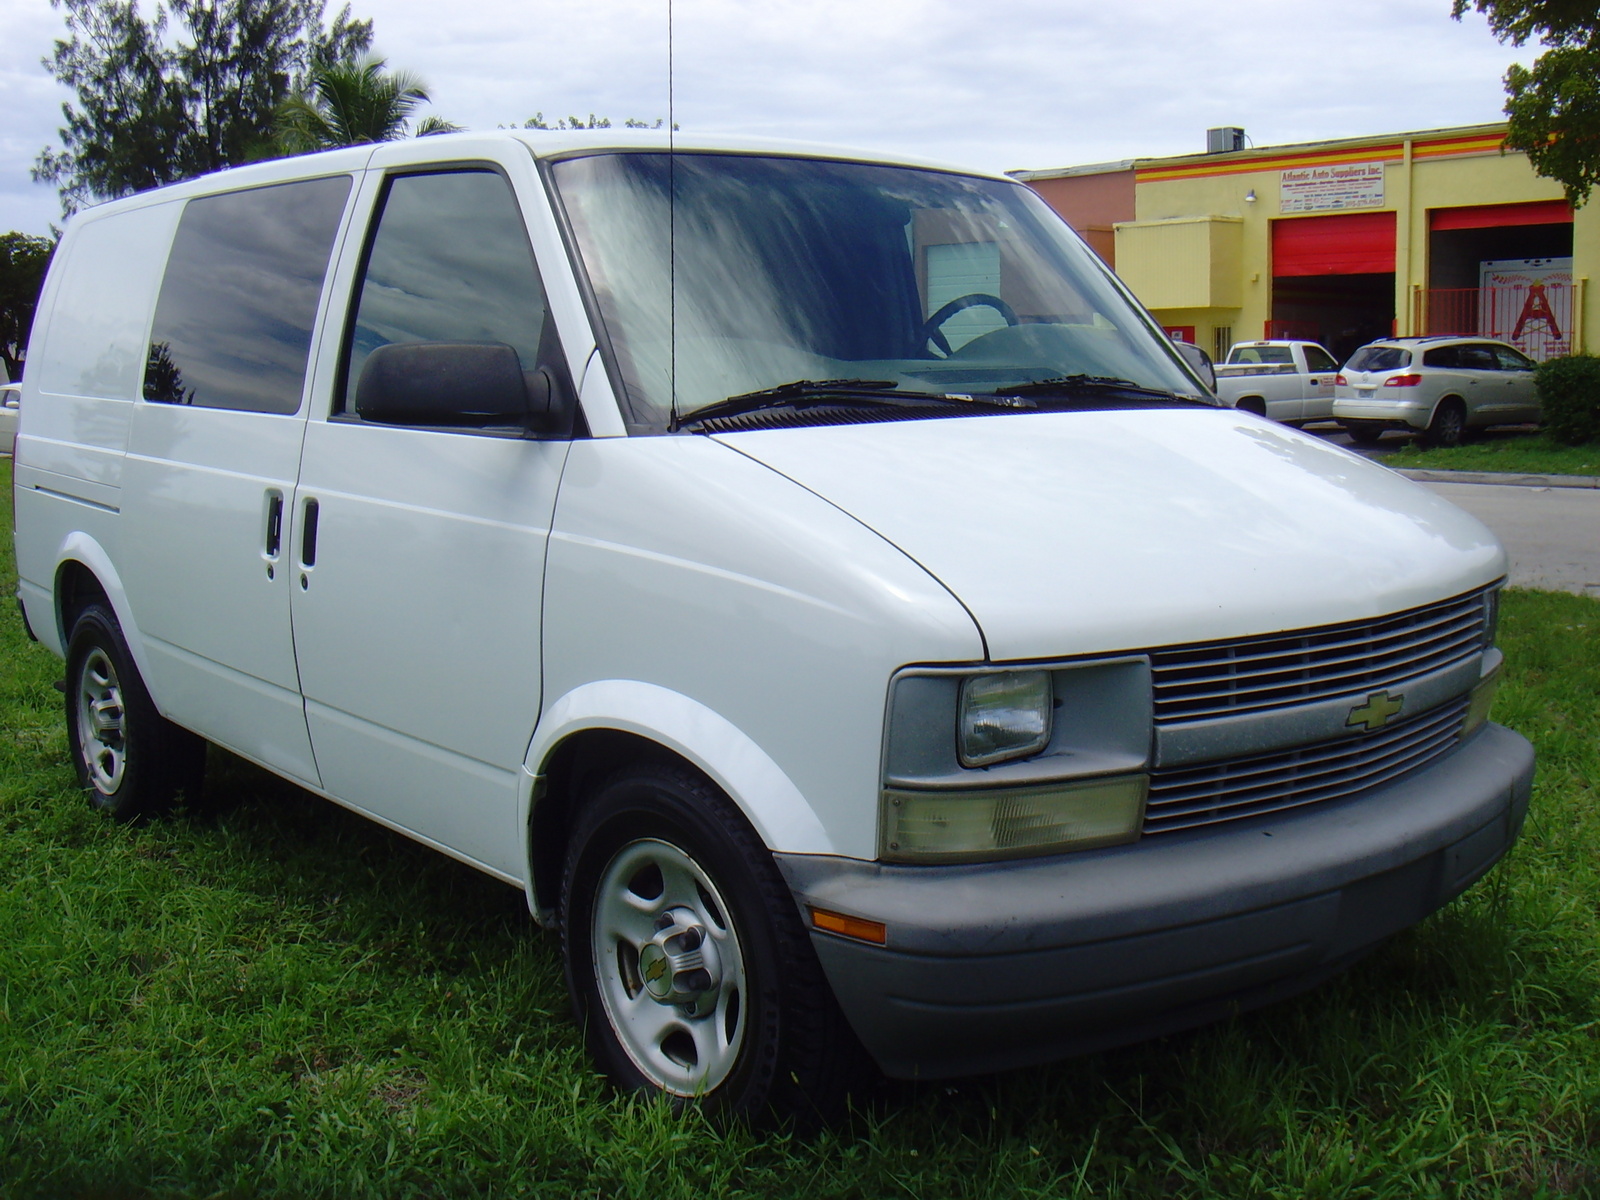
1287, 381
644, 529
1441, 387
10, 394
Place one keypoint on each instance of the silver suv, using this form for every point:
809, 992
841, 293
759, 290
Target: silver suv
1440, 386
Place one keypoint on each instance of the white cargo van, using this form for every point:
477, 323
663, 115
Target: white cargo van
813, 579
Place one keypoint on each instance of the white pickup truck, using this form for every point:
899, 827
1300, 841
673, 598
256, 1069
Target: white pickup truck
1287, 381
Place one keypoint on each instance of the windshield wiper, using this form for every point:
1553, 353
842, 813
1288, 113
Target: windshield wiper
1101, 384
805, 393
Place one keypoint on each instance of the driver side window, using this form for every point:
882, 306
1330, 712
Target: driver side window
449, 262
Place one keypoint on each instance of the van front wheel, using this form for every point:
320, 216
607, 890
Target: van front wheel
130, 760
688, 967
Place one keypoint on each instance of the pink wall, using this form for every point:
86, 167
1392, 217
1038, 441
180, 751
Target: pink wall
1092, 204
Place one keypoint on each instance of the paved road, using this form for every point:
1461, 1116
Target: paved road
1552, 534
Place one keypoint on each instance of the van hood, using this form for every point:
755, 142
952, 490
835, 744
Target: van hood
1085, 532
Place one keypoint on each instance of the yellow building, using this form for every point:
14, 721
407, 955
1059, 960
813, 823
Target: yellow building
1441, 231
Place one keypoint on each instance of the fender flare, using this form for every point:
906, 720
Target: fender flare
728, 756
81, 548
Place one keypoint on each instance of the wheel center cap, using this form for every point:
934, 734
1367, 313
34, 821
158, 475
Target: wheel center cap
679, 965
656, 970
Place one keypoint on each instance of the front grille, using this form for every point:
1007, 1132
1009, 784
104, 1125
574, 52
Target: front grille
1255, 674
1184, 797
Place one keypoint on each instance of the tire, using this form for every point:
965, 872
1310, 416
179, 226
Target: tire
689, 970
1363, 433
130, 760
1449, 424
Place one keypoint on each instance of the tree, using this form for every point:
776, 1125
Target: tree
352, 103
1554, 107
537, 121
23, 259
150, 109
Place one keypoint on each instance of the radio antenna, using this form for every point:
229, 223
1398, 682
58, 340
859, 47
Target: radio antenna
672, 239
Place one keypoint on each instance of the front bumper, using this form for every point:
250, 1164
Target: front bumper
999, 965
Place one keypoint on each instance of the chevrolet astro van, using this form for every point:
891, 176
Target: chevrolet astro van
811, 577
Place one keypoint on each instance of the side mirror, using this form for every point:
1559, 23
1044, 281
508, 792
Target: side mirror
468, 385
1199, 362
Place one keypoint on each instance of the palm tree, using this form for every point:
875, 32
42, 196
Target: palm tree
353, 103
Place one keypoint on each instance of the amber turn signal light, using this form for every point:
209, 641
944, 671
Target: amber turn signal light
851, 927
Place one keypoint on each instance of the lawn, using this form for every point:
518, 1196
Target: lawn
1523, 453
271, 997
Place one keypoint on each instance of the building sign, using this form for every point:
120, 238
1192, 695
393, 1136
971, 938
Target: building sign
1329, 189
1527, 302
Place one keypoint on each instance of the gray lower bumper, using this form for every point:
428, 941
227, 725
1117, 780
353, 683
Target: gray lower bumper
1003, 964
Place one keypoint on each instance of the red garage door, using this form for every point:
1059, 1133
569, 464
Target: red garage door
1501, 216
1340, 244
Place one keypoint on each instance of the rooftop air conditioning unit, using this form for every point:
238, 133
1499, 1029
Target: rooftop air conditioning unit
1224, 139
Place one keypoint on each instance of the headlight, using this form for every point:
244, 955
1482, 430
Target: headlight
1481, 701
963, 826
978, 764
1004, 715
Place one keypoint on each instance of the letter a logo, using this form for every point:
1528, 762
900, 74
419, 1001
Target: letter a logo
1537, 308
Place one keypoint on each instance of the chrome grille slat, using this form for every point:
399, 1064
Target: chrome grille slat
1218, 792
1299, 762
1188, 797
1416, 632
1263, 664
1280, 670
1402, 668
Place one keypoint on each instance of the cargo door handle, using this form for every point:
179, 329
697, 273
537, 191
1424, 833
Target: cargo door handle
308, 541
274, 523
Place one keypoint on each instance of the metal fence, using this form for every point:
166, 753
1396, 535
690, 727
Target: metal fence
1539, 319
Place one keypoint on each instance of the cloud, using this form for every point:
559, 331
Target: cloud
1004, 84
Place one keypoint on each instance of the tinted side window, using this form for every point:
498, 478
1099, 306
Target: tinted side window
1318, 359
233, 324
450, 262
1510, 360
1442, 356
1478, 358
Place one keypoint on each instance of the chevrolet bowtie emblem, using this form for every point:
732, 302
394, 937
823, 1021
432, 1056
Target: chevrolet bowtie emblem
1375, 713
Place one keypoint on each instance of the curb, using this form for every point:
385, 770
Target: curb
1504, 478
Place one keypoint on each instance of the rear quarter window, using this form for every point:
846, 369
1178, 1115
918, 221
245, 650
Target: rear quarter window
239, 299
1256, 355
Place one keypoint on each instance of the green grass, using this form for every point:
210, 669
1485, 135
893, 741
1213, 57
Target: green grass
1523, 453
276, 998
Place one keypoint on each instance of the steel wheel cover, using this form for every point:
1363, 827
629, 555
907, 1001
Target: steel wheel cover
102, 723
669, 967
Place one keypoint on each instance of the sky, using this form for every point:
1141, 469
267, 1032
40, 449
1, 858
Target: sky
993, 84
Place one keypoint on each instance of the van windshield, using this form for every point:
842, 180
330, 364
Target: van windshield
791, 269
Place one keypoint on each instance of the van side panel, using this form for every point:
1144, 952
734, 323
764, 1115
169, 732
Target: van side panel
91, 362
86, 361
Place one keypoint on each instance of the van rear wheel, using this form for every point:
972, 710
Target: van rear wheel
686, 960
130, 760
